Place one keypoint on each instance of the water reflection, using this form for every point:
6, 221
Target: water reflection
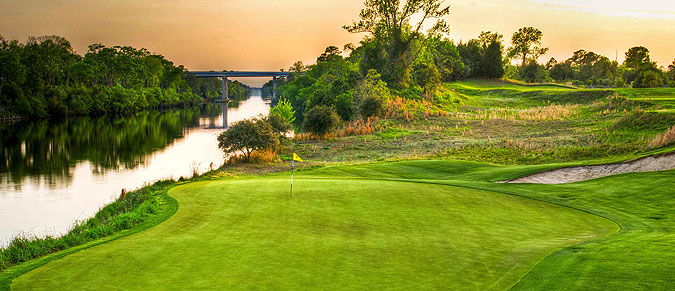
49, 149
54, 172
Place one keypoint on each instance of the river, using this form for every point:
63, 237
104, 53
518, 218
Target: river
54, 173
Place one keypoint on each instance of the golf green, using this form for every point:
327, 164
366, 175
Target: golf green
334, 233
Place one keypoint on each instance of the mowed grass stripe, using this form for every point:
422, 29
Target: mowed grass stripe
348, 234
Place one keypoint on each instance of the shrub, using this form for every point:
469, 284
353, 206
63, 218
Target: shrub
344, 105
533, 72
371, 106
285, 110
279, 124
247, 136
372, 91
320, 120
426, 75
648, 79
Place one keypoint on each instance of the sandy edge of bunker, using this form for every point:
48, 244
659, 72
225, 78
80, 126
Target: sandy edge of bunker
583, 173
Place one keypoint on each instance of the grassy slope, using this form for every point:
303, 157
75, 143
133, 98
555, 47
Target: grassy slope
334, 233
170, 206
487, 126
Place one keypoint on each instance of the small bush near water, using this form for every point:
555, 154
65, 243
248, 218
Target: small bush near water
122, 214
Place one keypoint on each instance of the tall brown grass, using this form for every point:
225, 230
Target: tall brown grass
269, 155
665, 138
356, 127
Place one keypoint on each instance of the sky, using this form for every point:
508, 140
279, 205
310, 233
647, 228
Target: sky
273, 34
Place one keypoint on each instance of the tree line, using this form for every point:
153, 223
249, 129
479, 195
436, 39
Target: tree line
398, 57
45, 77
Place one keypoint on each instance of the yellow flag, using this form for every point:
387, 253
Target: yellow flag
296, 158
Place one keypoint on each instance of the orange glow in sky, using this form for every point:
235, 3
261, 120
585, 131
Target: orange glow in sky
273, 34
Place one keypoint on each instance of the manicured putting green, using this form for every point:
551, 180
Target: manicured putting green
333, 234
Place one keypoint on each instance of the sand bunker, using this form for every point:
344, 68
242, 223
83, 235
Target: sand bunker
582, 173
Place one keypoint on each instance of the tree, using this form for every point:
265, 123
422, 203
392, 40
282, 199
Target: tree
446, 57
551, 63
279, 125
648, 79
297, 67
486, 38
370, 94
472, 57
636, 57
561, 71
491, 66
320, 120
285, 110
533, 72
427, 76
671, 72
247, 136
526, 44
588, 67
329, 54
483, 57
388, 22
636, 64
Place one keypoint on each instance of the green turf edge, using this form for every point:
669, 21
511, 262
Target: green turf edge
619, 229
169, 209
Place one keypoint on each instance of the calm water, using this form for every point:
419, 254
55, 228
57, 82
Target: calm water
53, 173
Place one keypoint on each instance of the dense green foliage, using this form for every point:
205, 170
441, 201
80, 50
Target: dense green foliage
45, 77
320, 120
482, 57
395, 42
284, 109
280, 126
413, 63
526, 45
371, 94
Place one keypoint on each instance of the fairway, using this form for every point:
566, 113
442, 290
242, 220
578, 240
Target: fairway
334, 233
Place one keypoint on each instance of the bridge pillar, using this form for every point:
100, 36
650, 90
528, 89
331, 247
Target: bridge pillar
224, 87
225, 101
274, 87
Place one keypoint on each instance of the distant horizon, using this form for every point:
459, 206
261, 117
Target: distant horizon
269, 35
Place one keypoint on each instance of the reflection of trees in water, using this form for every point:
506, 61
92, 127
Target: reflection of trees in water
47, 150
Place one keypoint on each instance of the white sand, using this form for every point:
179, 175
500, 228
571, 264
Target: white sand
583, 173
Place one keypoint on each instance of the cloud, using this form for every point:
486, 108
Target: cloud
649, 9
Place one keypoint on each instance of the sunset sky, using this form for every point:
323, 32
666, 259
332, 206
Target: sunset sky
272, 34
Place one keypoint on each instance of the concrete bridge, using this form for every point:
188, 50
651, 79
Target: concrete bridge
224, 75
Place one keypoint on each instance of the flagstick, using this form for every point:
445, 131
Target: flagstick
292, 166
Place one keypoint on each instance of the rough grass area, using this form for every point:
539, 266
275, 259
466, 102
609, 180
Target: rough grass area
334, 233
497, 122
119, 215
